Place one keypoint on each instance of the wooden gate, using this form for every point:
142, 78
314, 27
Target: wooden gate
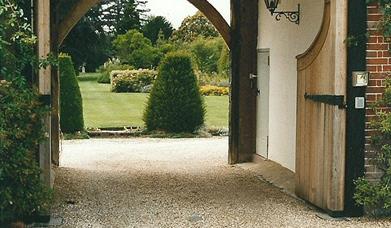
321, 113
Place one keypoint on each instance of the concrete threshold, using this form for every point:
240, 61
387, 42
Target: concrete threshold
272, 173
283, 178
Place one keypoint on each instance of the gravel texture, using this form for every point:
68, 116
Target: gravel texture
172, 183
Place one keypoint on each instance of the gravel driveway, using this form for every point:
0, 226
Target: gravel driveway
172, 183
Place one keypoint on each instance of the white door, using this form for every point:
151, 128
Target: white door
263, 102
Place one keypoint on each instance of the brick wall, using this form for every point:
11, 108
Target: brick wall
379, 66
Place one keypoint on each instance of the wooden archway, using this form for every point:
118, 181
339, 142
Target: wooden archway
81, 8
241, 37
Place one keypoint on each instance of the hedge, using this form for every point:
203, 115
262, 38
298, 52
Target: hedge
22, 194
71, 104
108, 67
128, 81
175, 103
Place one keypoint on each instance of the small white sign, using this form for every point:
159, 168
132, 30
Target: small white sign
360, 103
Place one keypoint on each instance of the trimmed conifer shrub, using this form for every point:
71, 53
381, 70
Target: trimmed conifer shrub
175, 104
71, 102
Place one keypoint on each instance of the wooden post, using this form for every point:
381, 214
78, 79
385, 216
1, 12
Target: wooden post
55, 86
244, 33
355, 133
44, 84
43, 34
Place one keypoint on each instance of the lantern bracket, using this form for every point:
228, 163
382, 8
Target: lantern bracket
292, 16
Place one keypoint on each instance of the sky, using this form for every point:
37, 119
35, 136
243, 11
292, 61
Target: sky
176, 10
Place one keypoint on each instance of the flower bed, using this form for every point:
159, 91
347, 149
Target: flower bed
214, 90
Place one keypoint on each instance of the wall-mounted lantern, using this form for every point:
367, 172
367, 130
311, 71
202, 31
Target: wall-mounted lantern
292, 16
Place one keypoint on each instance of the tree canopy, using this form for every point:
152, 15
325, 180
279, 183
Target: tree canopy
16, 40
134, 49
193, 27
156, 25
90, 40
120, 16
88, 43
206, 53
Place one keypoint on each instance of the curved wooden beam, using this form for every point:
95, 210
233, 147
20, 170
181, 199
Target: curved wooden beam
305, 59
215, 18
82, 7
74, 16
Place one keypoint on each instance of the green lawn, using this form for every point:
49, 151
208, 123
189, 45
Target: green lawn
105, 109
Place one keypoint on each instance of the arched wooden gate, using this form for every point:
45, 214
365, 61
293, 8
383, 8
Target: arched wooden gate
330, 128
321, 114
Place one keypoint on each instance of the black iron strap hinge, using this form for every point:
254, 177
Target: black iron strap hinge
45, 99
338, 100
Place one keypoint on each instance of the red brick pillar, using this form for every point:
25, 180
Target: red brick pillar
379, 66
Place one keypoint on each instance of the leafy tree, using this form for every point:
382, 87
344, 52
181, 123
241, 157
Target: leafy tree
155, 26
90, 41
206, 53
175, 104
166, 47
120, 16
15, 39
193, 27
134, 49
224, 62
25, 6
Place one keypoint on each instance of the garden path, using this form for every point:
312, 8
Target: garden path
172, 183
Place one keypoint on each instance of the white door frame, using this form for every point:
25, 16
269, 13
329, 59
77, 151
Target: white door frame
263, 84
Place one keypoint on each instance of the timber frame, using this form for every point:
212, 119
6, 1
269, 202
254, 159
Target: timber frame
241, 38
243, 108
